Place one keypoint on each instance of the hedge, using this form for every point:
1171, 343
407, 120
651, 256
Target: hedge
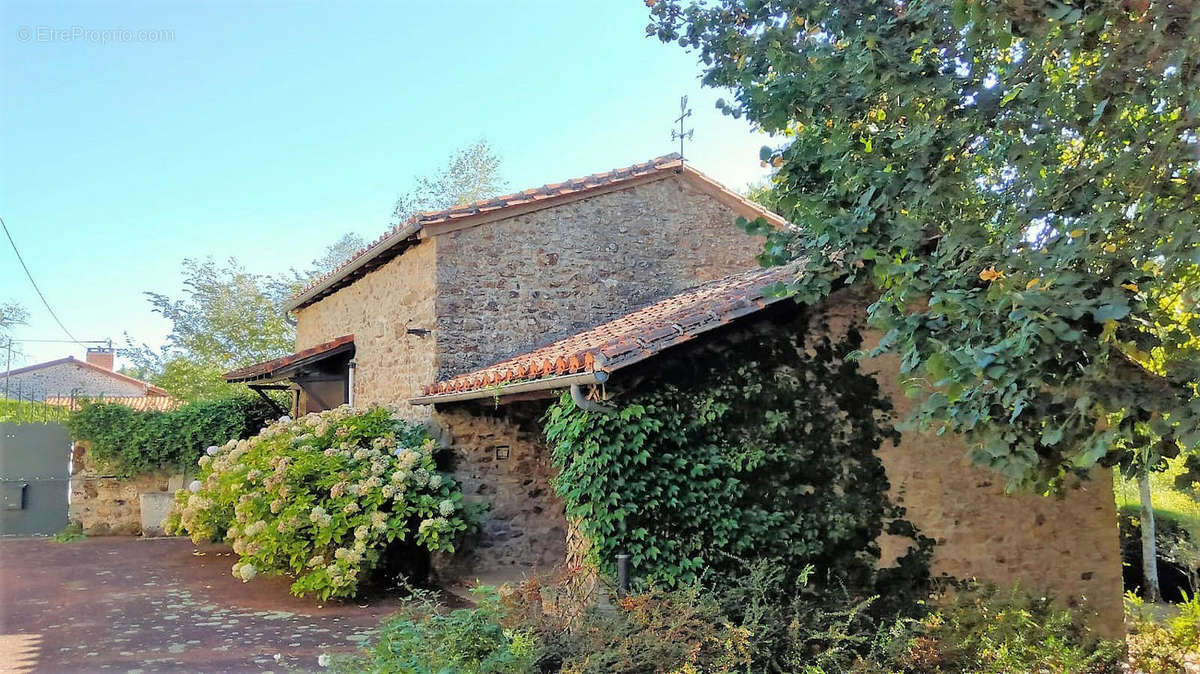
131, 442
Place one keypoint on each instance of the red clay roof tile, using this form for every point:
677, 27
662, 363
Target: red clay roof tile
266, 368
633, 337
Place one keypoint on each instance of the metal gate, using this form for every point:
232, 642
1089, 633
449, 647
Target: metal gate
34, 478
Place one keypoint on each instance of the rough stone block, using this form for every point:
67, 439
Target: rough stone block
155, 506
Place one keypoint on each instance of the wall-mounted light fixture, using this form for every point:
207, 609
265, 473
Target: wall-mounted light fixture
501, 452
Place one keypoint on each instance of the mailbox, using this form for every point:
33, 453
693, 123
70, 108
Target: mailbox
12, 495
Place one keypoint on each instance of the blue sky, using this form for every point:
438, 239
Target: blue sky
264, 131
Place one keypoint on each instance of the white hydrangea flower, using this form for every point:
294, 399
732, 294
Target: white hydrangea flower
446, 507
247, 572
194, 486
323, 660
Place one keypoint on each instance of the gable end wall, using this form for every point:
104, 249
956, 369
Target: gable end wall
68, 379
378, 309
511, 285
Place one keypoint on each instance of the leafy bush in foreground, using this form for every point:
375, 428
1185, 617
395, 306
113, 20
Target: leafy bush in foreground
1171, 645
321, 498
424, 638
750, 628
983, 630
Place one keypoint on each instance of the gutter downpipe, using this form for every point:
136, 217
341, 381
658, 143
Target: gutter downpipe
586, 405
350, 383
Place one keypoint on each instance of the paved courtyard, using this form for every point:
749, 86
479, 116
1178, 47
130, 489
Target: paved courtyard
160, 605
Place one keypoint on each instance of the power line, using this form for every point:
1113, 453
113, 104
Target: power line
65, 341
34, 283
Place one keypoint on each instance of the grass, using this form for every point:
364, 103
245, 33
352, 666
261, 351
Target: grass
71, 533
25, 411
1169, 502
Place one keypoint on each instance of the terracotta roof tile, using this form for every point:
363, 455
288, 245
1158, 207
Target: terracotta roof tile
159, 403
266, 368
633, 337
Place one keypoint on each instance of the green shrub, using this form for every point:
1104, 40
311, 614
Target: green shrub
422, 639
69, 534
757, 626
984, 630
1167, 645
132, 442
322, 497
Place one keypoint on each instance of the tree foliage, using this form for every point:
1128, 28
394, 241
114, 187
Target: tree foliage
291, 282
12, 314
1019, 181
227, 318
472, 173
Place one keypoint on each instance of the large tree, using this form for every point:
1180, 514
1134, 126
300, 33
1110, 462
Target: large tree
12, 314
227, 318
471, 173
289, 283
1018, 180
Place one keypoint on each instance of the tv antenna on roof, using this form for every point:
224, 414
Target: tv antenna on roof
682, 135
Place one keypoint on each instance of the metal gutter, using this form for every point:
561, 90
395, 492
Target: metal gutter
374, 252
562, 381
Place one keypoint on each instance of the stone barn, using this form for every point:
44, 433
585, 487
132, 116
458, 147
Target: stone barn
476, 317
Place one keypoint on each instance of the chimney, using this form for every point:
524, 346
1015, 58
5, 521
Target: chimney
101, 356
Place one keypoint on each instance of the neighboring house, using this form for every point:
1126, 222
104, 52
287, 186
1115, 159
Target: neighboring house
474, 317
71, 378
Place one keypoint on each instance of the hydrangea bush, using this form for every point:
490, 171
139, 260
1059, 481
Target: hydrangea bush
320, 498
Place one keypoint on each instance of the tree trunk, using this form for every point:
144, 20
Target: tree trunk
1150, 590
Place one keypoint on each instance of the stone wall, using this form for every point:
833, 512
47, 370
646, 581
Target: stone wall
499, 459
510, 285
378, 309
1067, 545
106, 505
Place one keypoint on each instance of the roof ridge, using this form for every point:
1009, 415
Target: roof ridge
497, 202
68, 360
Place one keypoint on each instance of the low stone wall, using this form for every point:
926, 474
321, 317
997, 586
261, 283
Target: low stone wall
107, 505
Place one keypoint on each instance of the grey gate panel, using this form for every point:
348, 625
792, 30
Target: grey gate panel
34, 478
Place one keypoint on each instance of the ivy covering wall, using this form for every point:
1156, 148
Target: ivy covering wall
756, 445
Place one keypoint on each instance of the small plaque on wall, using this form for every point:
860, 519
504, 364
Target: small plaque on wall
501, 452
